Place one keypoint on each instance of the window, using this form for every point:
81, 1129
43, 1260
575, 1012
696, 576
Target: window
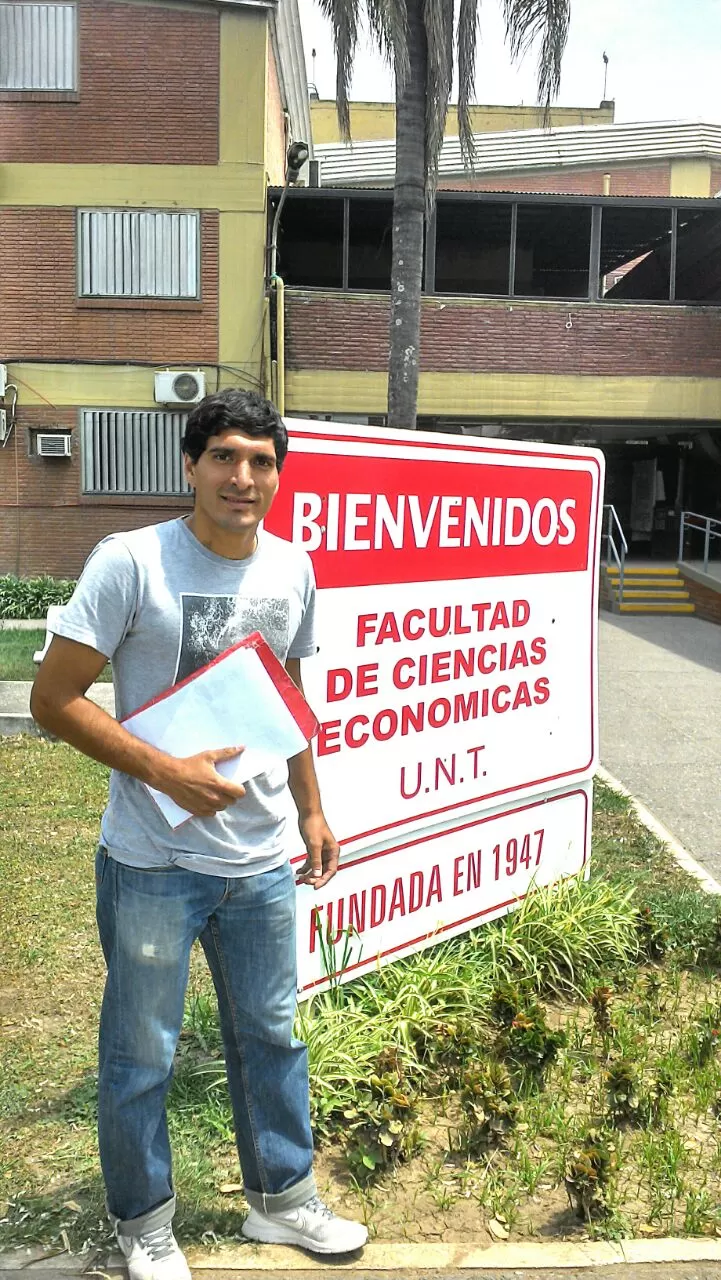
128, 451
473, 247
553, 248
310, 243
698, 256
635, 253
370, 240
37, 46
133, 254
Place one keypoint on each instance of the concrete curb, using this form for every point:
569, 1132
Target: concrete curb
459, 1257
382, 1257
12, 722
22, 624
652, 824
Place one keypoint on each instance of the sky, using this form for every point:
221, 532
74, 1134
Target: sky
664, 59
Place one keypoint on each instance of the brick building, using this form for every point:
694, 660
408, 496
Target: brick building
571, 283
572, 291
137, 143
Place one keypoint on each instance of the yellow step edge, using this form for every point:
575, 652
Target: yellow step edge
657, 608
655, 595
649, 583
647, 572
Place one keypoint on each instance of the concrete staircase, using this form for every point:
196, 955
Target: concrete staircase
647, 589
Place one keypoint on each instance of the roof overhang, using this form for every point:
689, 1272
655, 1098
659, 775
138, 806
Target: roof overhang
569, 147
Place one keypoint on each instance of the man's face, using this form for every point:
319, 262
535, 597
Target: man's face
235, 481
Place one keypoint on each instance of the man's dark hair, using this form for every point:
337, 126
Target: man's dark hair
234, 410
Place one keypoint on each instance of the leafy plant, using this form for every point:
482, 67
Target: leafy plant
653, 934
381, 1126
489, 1106
31, 597
601, 999
627, 1102
704, 1037
588, 1173
526, 1041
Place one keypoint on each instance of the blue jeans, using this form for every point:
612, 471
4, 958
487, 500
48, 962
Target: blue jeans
148, 921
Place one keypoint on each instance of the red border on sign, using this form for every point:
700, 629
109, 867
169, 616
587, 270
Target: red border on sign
478, 915
465, 449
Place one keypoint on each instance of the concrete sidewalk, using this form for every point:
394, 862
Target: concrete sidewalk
660, 713
15, 705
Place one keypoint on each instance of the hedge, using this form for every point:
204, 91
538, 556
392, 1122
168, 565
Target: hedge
30, 597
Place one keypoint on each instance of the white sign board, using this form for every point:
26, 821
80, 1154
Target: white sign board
457, 616
435, 886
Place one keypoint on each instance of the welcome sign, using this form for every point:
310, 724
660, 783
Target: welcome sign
457, 600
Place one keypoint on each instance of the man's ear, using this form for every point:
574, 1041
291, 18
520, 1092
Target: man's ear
189, 469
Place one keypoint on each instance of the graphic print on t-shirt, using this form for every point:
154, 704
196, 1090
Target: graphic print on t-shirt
211, 624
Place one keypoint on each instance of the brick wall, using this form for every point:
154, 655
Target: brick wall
144, 70
706, 599
335, 332
42, 317
55, 526
649, 180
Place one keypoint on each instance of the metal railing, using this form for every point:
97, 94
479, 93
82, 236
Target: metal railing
614, 533
691, 521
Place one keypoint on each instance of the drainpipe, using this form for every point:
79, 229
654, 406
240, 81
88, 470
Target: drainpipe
279, 289
297, 156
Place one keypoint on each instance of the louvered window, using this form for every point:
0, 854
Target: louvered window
38, 46
129, 451
132, 253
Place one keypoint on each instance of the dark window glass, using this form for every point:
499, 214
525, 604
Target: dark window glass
698, 256
310, 243
370, 235
473, 247
635, 253
553, 247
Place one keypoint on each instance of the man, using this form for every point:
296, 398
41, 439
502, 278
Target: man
160, 602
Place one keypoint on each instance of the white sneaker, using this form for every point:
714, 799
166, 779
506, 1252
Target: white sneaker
311, 1225
154, 1256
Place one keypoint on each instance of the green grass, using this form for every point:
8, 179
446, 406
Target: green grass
624, 966
16, 655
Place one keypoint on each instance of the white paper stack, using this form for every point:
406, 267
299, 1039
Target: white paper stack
244, 697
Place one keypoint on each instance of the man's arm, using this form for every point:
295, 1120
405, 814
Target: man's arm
322, 848
59, 704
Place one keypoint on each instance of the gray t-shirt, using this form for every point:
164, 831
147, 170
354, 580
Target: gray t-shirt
160, 605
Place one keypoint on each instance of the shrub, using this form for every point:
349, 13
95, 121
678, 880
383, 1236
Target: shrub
31, 597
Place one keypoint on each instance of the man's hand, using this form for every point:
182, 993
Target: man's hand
194, 783
321, 863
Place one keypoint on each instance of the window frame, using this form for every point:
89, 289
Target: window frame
91, 464
44, 91
181, 299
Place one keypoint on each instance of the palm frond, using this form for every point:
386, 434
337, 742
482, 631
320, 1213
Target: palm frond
466, 37
530, 20
344, 19
388, 25
438, 23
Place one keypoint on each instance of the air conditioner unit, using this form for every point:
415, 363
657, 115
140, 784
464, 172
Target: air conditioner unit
179, 386
3, 379
55, 444
3, 425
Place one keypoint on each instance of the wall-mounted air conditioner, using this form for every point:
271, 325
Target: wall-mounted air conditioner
3, 379
179, 386
55, 444
3, 425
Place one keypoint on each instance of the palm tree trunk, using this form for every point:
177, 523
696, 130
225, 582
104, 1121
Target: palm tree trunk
408, 213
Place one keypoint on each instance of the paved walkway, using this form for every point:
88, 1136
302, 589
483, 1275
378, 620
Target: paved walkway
660, 712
